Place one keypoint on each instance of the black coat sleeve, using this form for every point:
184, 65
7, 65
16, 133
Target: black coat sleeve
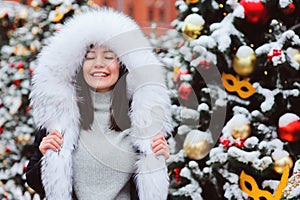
33, 173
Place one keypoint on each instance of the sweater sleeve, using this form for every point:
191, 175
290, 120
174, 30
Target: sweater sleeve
33, 173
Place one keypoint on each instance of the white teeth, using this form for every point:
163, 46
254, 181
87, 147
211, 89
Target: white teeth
99, 75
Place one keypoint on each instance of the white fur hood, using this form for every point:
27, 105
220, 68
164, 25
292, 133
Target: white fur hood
54, 101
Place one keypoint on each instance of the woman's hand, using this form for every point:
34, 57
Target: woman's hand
160, 146
52, 141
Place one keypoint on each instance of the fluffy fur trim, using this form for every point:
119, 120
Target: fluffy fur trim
53, 97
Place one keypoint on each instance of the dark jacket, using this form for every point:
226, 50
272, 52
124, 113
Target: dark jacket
33, 173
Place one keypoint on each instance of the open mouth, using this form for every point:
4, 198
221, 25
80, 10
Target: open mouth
99, 74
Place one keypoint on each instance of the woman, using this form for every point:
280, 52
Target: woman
90, 124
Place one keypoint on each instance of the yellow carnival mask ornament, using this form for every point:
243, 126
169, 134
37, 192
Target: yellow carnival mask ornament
257, 193
232, 84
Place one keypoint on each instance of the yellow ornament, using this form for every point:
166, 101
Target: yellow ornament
244, 61
192, 1
242, 132
279, 165
192, 26
35, 30
197, 144
253, 191
296, 56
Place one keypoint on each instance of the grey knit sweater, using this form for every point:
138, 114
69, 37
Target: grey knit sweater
103, 162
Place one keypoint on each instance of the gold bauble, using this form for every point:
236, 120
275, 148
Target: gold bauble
242, 132
280, 164
244, 66
296, 56
191, 1
244, 61
191, 31
196, 146
192, 26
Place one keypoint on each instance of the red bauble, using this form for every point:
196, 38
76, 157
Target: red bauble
289, 127
17, 82
1, 130
255, 11
185, 90
8, 149
20, 65
12, 65
289, 10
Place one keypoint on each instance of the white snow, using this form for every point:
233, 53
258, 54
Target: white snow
287, 118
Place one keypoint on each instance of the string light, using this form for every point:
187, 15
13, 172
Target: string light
266, 73
270, 30
221, 5
252, 45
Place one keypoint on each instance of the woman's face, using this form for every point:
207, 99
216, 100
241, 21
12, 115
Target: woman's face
101, 68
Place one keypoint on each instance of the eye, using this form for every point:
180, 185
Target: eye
90, 55
109, 56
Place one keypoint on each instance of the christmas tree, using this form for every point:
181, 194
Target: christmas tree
24, 30
234, 79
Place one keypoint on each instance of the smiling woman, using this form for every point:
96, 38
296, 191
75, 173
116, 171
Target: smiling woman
101, 135
101, 68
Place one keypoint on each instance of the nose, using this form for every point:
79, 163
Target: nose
99, 62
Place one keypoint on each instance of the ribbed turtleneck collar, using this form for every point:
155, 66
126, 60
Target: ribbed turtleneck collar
101, 100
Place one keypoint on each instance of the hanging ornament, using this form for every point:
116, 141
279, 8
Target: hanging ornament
20, 65
17, 82
277, 53
192, 26
197, 144
232, 84
7, 149
204, 64
241, 131
177, 174
12, 65
289, 127
1, 130
289, 9
279, 165
185, 90
244, 61
191, 1
255, 11
253, 191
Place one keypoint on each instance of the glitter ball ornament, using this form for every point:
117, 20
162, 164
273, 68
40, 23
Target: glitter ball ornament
289, 127
244, 61
192, 26
255, 11
185, 90
242, 132
280, 164
197, 144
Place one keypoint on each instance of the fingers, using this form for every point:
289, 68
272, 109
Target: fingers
160, 146
52, 141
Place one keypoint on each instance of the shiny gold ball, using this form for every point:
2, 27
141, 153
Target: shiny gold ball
192, 26
280, 164
244, 61
196, 146
296, 56
242, 132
